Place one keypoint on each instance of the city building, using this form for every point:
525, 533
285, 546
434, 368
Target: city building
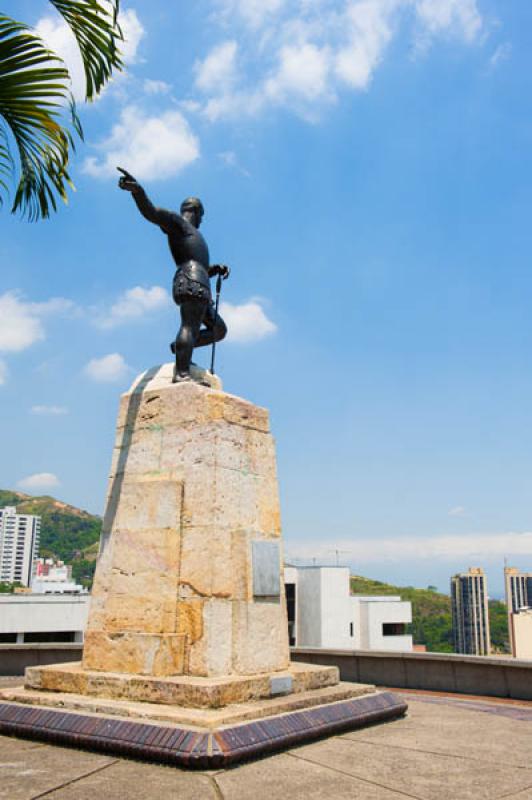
520, 629
30, 618
469, 599
54, 577
518, 590
19, 545
322, 613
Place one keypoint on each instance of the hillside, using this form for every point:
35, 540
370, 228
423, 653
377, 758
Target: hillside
431, 614
67, 532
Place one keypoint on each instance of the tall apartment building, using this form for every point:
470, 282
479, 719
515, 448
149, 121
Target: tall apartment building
518, 589
19, 545
469, 599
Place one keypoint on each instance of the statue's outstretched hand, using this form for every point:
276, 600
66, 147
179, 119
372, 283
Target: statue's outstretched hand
127, 181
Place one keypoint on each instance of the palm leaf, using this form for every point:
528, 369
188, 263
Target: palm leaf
97, 32
34, 97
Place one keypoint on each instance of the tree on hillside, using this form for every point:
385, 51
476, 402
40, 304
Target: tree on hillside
38, 118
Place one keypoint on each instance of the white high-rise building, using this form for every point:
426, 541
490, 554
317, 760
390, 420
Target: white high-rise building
19, 545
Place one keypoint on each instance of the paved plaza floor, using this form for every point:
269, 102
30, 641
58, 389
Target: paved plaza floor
447, 748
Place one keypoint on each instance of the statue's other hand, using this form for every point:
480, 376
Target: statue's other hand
127, 181
223, 270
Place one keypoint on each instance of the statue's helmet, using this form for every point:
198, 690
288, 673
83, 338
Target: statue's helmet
193, 203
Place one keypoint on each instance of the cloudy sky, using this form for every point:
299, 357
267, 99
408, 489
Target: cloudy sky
366, 168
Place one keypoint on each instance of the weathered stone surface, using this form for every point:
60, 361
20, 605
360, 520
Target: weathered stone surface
186, 691
193, 483
144, 653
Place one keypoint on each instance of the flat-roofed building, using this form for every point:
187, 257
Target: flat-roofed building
322, 613
33, 618
19, 545
518, 590
469, 600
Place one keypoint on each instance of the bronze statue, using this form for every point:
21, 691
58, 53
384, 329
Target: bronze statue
191, 288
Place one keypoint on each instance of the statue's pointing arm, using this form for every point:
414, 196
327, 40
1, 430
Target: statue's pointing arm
159, 216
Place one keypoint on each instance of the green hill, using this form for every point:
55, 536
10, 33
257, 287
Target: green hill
431, 614
67, 532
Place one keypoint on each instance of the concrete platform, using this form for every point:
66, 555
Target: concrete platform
445, 748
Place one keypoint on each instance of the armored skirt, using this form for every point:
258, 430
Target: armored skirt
191, 282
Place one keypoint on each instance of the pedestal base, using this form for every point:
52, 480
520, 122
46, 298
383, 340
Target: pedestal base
182, 690
194, 746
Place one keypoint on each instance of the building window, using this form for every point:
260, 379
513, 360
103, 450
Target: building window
290, 589
52, 636
393, 628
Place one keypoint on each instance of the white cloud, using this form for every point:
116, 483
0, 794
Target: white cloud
246, 322
218, 70
471, 547
3, 372
21, 321
229, 158
302, 70
502, 53
305, 54
108, 369
133, 31
369, 28
134, 304
20, 326
457, 511
253, 12
51, 411
59, 38
147, 146
460, 17
155, 87
41, 480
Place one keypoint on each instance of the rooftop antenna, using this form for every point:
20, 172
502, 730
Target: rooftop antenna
338, 553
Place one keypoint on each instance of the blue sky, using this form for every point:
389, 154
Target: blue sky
366, 169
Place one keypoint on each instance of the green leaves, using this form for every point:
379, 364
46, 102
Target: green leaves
97, 33
38, 118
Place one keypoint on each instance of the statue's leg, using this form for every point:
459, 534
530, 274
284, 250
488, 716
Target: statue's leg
192, 312
215, 328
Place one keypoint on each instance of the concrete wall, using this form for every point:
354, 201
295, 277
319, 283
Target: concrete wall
335, 608
14, 658
308, 603
34, 613
481, 675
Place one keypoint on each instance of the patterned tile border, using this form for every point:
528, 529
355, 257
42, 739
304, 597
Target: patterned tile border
184, 747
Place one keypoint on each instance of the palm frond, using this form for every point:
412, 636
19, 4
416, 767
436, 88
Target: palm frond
33, 94
97, 32
6, 162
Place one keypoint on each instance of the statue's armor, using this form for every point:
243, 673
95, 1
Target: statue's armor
188, 247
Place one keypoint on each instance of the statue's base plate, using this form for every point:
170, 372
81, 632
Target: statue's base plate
194, 746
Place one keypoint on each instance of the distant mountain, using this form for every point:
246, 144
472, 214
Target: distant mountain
67, 532
431, 614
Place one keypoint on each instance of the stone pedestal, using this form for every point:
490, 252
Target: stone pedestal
192, 509
188, 621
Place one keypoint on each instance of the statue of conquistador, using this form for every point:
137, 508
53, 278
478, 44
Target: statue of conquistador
200, 324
